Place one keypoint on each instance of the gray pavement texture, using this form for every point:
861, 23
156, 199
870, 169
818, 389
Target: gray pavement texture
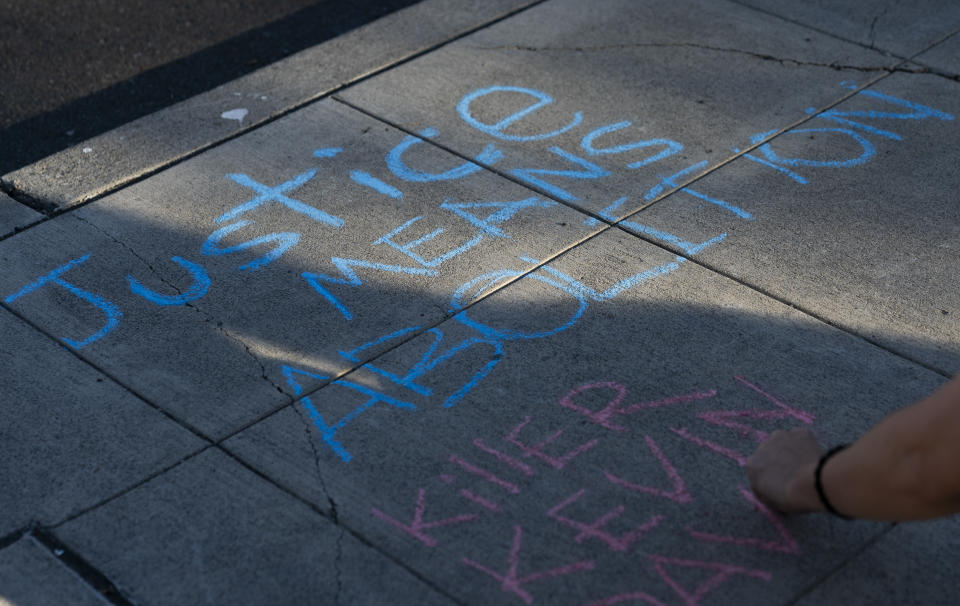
15, 216
492, 313
73, 69
138, 148
31, 575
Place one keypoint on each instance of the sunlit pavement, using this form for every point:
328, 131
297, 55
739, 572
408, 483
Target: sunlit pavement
486, 303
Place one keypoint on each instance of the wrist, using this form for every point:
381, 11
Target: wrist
803, 491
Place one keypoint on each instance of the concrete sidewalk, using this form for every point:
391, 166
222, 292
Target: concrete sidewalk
485, 303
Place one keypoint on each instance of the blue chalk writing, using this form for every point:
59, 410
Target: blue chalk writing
407, 381
352, 279
608, 212
199, 287
505, 212
671, 146
689, 248
581, 290
591, 171
799, 179
920, 112
276, 194
353, 354
496, 130
868, 150
428, 362
328, 432
471, 290
288, 372
285, 241
475, 287
327, 152
487, 227
109, 309
375, 184
407, 248
835, 116
489, 155
671, 181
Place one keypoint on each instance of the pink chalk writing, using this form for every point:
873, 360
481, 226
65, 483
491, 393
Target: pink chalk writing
416, 527
800, 415
486, 475
678, 491
720, 450
482, 502
786, 544
594, 530
722, 418
503, 458
723, 572
512, 583
537, 451
600, 417
628, 597
690, 397
612, 525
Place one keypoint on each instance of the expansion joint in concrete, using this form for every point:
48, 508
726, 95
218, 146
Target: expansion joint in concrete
11, 538
126, 490
803, 593
756, 55
81, 567
344, 528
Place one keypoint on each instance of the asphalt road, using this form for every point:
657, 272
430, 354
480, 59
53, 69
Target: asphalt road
71, 69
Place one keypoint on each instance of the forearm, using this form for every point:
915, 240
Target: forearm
907, 467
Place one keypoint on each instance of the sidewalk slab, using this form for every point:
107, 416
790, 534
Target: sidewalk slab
259, 255
600, 454
14, 216
31, 576
944, 57
603, 107
71, 437
146, 145
915, 563
176, 358
856, 217
902, 28
211, 531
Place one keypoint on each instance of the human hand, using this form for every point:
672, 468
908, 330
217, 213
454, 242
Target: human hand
781, 471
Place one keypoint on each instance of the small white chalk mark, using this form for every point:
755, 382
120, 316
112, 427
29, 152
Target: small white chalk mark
235, 114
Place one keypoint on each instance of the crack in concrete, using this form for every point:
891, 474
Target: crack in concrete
208, 318
250, 354
130, 250
872, 36
334, 513
762, 56
338, 571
